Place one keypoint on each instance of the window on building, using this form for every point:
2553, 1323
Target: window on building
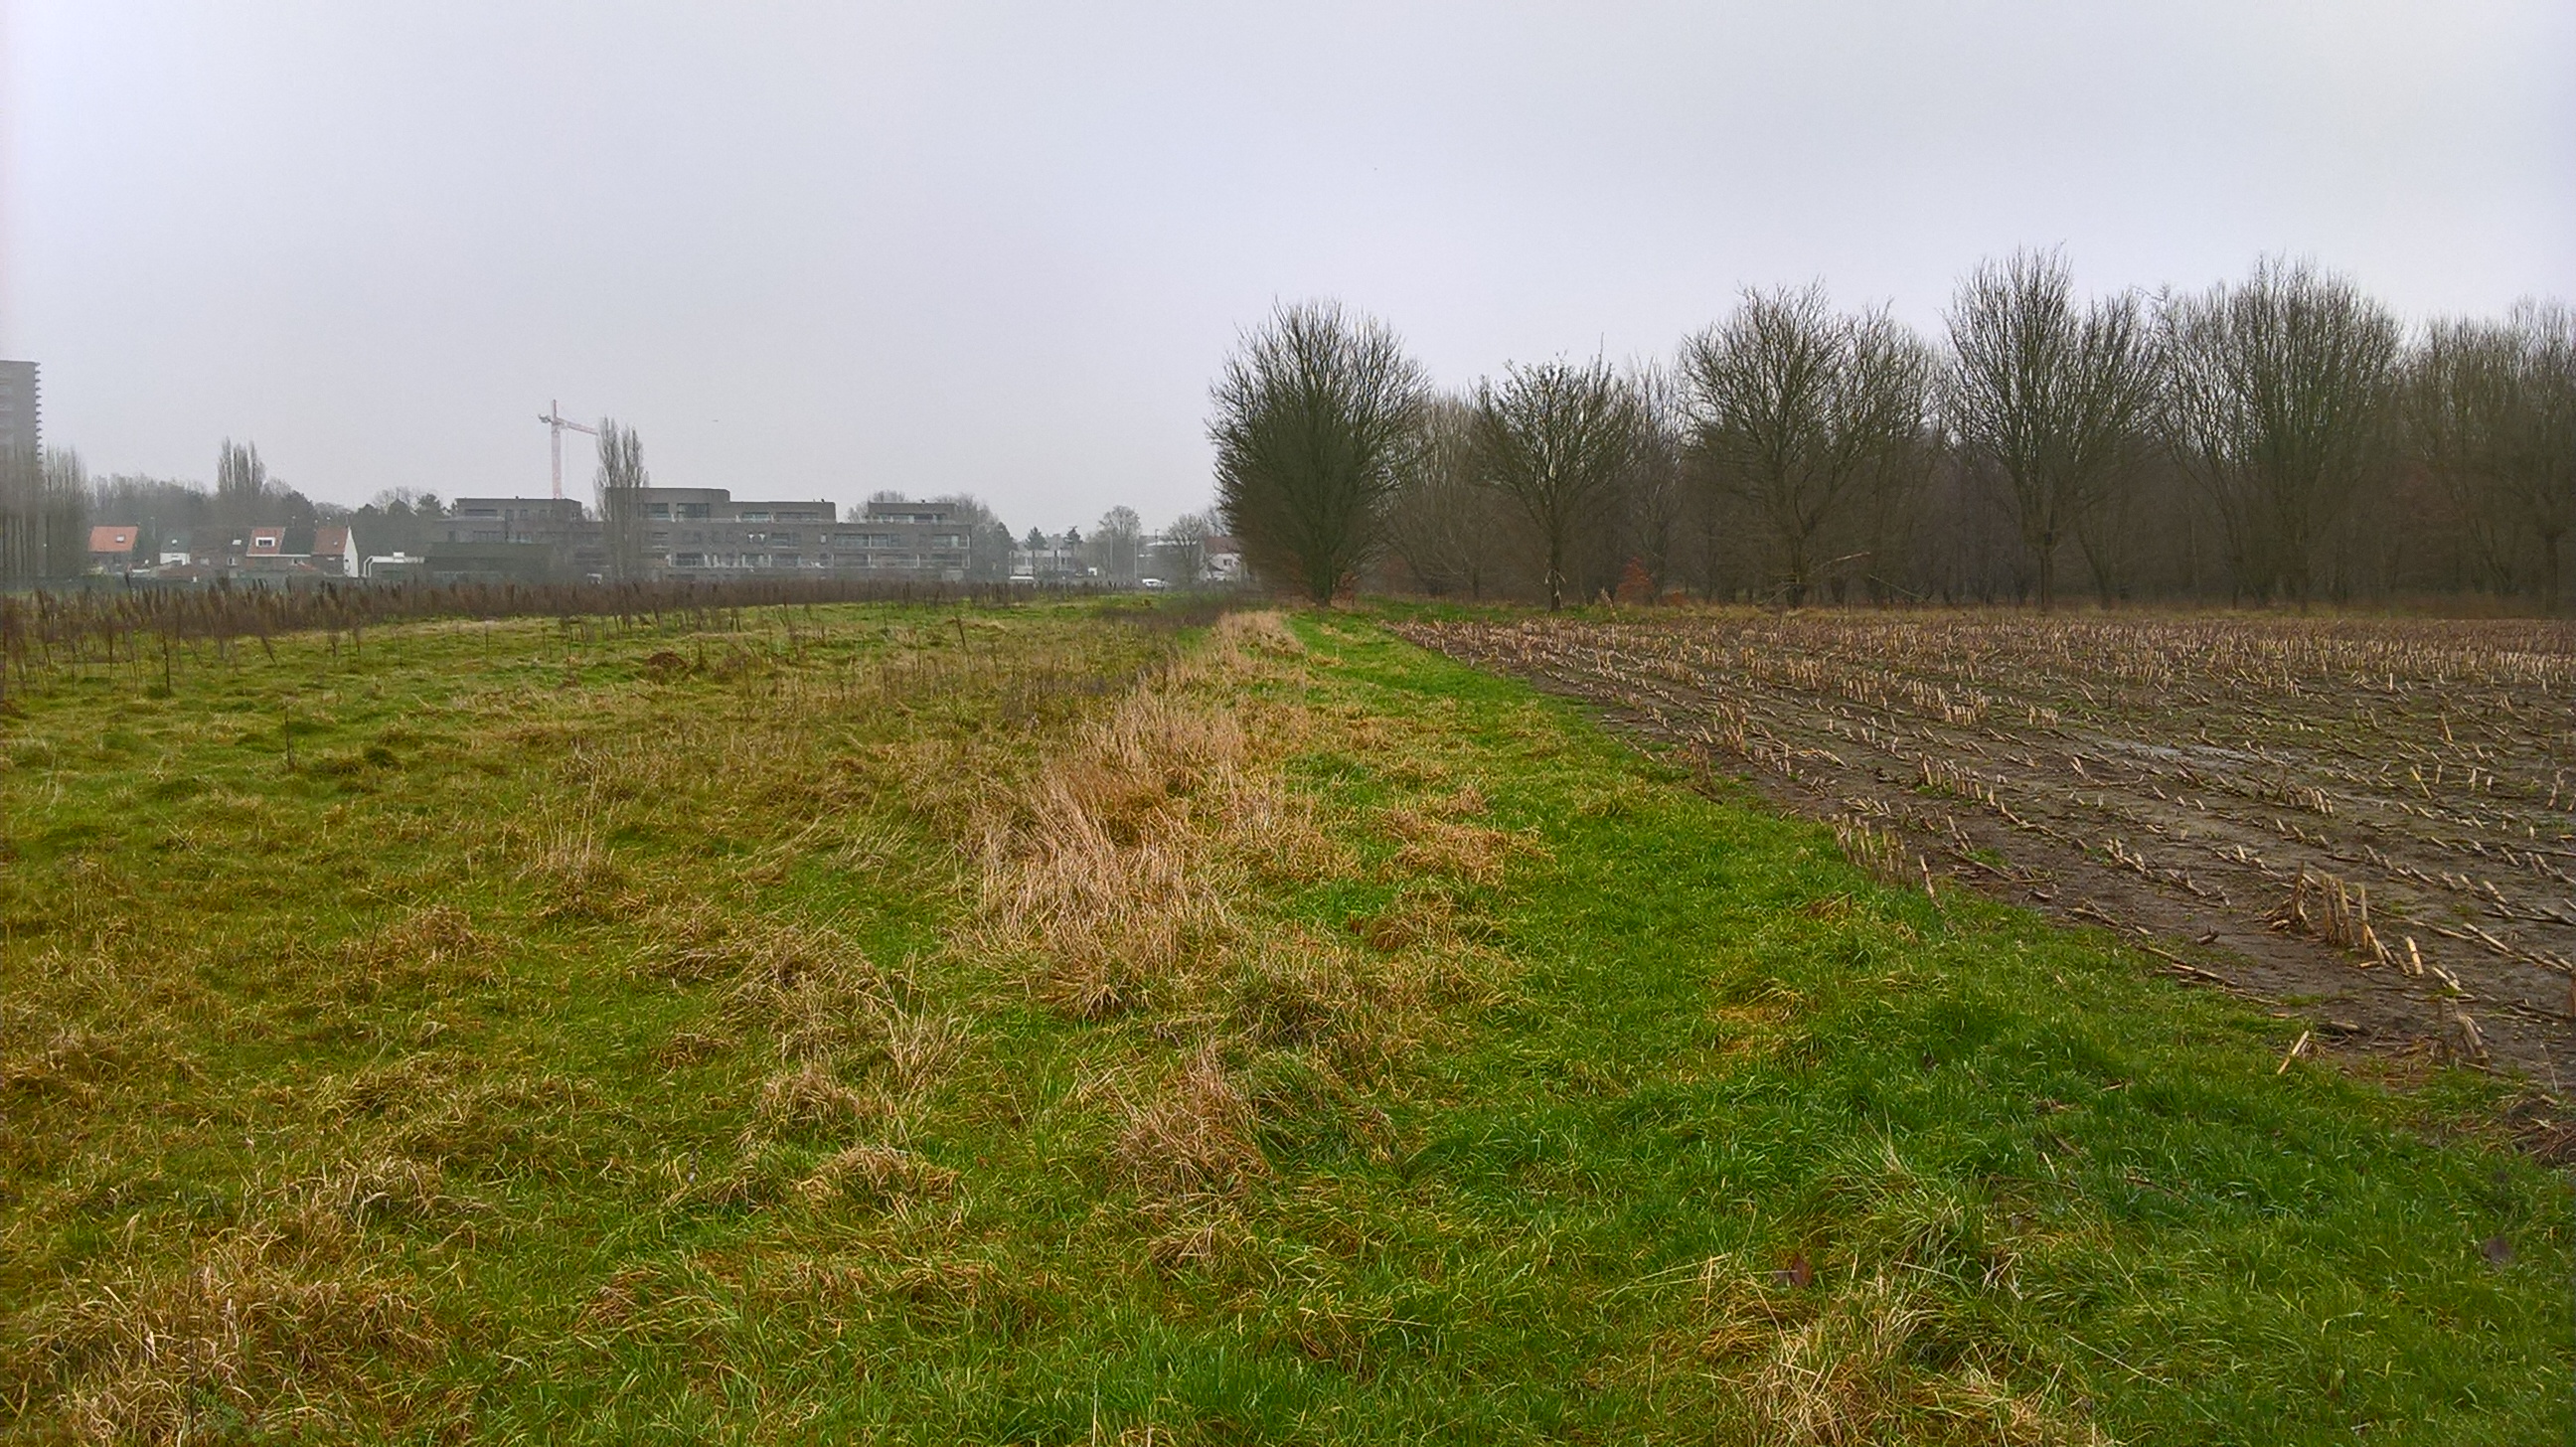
694, 511
688, 560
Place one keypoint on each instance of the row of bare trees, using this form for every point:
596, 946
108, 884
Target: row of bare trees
44, 526
2275, 438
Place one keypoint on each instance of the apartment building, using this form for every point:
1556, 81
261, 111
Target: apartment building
705, 532
925, 540
518, 539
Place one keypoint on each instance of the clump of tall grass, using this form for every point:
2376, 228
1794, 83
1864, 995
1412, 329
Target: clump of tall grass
1881, 1344
262, 1329
1118, 875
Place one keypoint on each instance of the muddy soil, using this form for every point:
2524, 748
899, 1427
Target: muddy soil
2173, 781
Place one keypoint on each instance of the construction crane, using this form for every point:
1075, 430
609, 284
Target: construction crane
556, 422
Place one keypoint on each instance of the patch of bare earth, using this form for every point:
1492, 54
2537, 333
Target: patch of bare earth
2370, 823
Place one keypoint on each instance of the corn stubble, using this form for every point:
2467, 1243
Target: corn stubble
2293, 774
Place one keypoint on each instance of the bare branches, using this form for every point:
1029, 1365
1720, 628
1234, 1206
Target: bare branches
621, 483
1657, 488
1800, 410
1440, 523
2277, 405
2490, 411
2244, 442
1557, 438
241, 483
1313, 420
2053, 397
44, 498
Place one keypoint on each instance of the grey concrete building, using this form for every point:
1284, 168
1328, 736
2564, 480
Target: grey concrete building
21, 415
703, 532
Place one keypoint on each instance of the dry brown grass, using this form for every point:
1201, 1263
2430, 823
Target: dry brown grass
1193, 1135
284, 1332
878, 1175
434, 947
1130, 883
1117, 879
1437, 841
811, 1097
811, 991
576, 875
1838, 1363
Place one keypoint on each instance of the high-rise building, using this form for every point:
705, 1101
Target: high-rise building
20, 424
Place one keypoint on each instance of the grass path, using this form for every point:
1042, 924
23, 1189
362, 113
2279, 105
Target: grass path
1026, 1027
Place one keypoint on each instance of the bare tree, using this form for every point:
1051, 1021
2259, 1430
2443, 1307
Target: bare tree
1185, 548
1657, 483
44, 515
1113, 544
1313, 418
1800, 411
241, 483
2278, 394
22, 515
621, 483
63, 513
1440, 523
1557, 438
2543, 477
2490, 411
2049, 395
988, 538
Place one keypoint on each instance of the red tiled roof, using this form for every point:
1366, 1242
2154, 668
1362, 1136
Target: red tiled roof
108, 538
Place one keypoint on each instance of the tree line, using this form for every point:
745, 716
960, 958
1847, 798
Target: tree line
2280, 438
48, 501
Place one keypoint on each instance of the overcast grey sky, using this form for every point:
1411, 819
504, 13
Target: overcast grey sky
817, 250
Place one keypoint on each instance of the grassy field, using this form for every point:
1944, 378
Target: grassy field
1089, 1024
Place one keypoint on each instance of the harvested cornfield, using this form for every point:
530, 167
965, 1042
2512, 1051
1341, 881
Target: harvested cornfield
2373, 819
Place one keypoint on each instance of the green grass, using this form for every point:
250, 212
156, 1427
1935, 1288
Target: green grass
412, 1086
